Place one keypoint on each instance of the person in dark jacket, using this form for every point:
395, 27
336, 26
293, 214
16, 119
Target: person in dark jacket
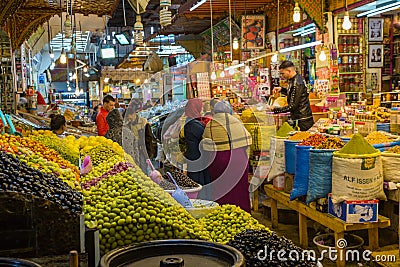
95, 112
193, 131
297, 97
115, 123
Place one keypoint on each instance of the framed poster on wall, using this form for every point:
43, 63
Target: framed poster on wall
375, 56
253, 32
375, 29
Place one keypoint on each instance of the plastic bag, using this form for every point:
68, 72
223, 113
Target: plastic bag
320, 179
86, 165
277, 158
300, 184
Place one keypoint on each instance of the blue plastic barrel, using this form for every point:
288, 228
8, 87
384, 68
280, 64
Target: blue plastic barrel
290, 156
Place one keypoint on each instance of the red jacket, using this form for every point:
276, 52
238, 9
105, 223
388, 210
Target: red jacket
101, 122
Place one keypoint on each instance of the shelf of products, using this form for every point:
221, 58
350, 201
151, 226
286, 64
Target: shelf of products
350, 60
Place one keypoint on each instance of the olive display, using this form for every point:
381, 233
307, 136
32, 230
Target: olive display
260, 249
16, 176
182, 180
129, 207
119, 167
100, 153
227, 221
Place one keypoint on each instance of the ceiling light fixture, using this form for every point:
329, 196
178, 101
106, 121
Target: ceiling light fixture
322, 54
297, 47
197, 5
346, 21
296, 13
274, 58
346, 25
384, 10
235, 43
247, 69
379, 10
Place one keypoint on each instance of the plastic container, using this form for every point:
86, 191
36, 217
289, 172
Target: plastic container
191, 193
201, 207
290, 156
174, 253
5, 262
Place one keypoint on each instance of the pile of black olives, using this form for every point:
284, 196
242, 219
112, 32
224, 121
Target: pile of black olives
16, 176
265, 248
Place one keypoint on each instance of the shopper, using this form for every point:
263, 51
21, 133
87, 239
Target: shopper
95, 112
137, 137
227, 141
101, 121
297, 97
147, 104
193, 131
115, 123
58, 124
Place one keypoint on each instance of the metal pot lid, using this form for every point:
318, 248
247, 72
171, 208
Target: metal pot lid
174, 253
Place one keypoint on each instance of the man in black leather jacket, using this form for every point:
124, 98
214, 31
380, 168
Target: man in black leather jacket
297, 97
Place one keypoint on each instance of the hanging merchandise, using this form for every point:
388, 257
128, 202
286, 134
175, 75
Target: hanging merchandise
138, 28
165, 14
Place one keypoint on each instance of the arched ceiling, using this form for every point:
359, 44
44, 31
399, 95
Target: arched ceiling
20, 18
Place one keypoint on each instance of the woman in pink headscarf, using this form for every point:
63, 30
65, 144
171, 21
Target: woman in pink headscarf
193, 130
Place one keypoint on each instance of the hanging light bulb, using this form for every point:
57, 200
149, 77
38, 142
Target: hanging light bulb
322, 55
247, 69
274, 58
51, 55
63, 57
146, 81
231, 71
213, 76
85, 69
296, 13
346, 21
69, 88
52, 66
137, 81
222, 74
81, 91
235, 44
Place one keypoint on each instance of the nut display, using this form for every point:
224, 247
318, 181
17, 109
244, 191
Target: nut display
331, 143
299, 136
313, 140
377, 138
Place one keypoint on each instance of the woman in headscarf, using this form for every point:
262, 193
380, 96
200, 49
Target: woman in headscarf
227, 140
115, 123
193, 131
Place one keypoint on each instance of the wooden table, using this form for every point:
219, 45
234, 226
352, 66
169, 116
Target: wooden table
338, 226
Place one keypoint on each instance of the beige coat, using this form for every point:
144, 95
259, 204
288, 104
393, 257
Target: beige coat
216, 136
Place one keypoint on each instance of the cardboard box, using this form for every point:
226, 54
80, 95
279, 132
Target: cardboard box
279, 182
358, 211
289, 180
